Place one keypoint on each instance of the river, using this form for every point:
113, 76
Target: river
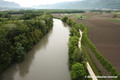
47, 60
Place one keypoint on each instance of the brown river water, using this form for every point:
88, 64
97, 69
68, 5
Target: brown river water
47, 60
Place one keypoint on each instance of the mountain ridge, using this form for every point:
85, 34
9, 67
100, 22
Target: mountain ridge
6, 4
85, 4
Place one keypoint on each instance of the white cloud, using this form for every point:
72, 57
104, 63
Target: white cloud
28, 3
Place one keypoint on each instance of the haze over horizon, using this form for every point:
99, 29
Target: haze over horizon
30, 3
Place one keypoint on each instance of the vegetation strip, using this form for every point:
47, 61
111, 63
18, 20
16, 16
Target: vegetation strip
93, 76
91, 72
77, 56
94, 66
108, 66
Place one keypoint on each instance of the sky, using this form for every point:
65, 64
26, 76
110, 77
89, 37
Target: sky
29, 3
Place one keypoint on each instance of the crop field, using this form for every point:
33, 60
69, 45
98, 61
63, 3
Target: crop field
105, 35
104, 32
114, 20
60, 40
116, 12
76, 15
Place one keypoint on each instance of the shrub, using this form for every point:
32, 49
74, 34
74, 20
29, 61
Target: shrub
78, 72
79, 55
64, 19
115, 15
82, 27
19, 52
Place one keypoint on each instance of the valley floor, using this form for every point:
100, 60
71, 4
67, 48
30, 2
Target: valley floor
103, 33
105, 36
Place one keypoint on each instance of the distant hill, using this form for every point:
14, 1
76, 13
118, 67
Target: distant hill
85, 4
6, 4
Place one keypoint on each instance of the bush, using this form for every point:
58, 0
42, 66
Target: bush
19, 52
78, 72
79, 56
64, 19
74, 32
115, 15
82, 27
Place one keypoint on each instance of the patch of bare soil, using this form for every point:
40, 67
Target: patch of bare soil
106, 37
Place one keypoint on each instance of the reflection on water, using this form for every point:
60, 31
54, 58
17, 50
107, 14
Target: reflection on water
48, 60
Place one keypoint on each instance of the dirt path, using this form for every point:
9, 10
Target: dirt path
98, 64
92, 74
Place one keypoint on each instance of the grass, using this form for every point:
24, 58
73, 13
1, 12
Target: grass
116, 12
79, 16
94, 67
76, 15
114, 20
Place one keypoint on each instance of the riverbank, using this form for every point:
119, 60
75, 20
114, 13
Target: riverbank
47, 60
77, 56
19, 36
86, 42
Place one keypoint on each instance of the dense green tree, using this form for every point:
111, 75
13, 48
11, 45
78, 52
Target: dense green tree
73, 42
71, 22
0, 15
79, 55
74, 32
82, 27
19, 52
64, 19
18, 36
78, 72
5, 60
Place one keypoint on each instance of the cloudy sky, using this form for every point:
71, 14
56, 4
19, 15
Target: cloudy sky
28, 3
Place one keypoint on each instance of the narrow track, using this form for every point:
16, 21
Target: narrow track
92, 74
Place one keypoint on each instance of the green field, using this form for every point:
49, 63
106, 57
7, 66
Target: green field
114, 20
116, 12
77, 15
